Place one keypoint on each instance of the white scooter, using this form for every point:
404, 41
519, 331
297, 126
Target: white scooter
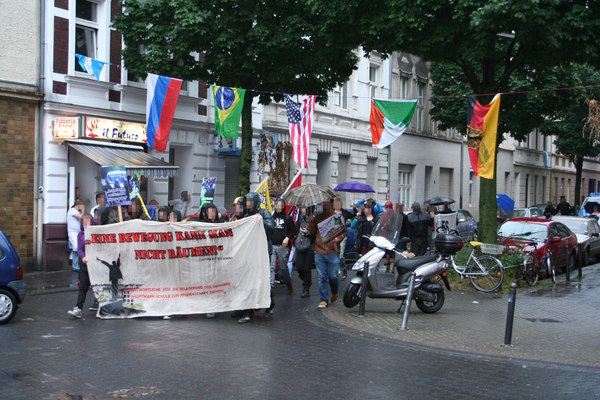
428, 292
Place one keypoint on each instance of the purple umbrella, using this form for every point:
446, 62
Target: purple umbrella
354, 187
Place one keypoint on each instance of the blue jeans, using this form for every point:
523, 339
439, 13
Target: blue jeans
327, 270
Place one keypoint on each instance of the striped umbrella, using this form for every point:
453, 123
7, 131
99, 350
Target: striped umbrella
308, 195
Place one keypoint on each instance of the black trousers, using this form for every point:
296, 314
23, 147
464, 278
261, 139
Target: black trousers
304, 260
84, 284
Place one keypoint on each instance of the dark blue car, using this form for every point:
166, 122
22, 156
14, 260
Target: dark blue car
12, 286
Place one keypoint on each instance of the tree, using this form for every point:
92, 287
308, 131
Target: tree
489, 42
302, 46
571, 122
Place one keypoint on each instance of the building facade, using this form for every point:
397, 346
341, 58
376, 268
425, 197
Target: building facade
20, 99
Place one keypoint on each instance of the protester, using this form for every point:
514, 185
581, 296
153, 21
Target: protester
419, 229
364, 226
283, 232
326, 258
446, 209
403, 220
388, 208
253, 208
211, 214
181, 204
99, 203
174, 216
84, 277
305, 250
337, 208
163, 214
240, 209
73, 228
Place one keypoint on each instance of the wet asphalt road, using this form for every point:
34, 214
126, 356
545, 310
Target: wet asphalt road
298, 354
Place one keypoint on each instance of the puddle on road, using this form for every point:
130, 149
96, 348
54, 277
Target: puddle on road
542, 320
558, 290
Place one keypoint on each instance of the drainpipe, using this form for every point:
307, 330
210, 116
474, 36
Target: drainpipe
38, 154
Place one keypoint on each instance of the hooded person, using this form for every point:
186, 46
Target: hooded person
240, 208
419, 229
210, 213
283, 232
253, 208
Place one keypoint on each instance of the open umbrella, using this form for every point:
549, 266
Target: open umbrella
439, 200
505, 203
308, 195
354, 187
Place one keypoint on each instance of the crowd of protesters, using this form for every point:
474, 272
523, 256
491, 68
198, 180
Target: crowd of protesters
293, 243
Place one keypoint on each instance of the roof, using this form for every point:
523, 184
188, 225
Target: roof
132, 157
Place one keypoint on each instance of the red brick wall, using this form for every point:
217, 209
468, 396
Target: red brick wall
61, 45
17, 145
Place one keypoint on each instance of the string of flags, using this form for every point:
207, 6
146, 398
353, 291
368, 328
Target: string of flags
90, 65
389, 119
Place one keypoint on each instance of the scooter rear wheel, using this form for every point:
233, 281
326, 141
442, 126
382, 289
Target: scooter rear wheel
429, 307
352, 295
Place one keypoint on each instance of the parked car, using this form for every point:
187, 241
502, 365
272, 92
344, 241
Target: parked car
587, 207
526, 212
587, 231
467, 226
12, 286
545, 235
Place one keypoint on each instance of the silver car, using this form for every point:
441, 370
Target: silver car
526, 212
587, 231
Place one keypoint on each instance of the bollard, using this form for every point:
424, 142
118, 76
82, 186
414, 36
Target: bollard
409, 296
568, 267
363, 290
510, 316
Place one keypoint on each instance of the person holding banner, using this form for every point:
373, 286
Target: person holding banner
327, 258
84, 277
253, 208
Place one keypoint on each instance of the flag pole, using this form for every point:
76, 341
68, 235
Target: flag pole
292, 182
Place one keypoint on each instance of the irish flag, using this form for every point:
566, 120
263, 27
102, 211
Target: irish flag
389, 120
482, 130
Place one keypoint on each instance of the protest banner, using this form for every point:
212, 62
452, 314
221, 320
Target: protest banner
115, 185
147, 268
332, 227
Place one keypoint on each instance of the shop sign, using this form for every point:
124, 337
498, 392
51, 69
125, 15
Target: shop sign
110, 129
66, 128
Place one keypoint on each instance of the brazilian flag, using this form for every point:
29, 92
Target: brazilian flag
228, 109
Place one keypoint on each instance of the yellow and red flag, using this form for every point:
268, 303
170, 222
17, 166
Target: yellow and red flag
482, 130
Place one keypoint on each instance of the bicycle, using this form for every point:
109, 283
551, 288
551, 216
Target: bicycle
531, 269
485, 271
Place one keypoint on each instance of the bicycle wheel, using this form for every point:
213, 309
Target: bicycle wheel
550, 269
488, 275
531, 273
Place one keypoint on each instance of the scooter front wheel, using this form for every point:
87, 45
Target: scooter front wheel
429, 307
352, 295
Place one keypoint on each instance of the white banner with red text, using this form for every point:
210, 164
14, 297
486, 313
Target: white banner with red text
146, 268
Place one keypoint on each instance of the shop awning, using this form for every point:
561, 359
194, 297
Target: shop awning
132, 157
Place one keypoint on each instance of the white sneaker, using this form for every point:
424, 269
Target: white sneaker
75, 312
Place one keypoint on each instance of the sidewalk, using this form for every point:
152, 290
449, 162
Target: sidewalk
50, 282
555, 323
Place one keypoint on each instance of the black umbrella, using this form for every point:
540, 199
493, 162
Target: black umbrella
439, 200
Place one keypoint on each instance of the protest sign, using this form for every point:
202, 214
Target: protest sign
115, 185
146, 268
332, 227
207, 195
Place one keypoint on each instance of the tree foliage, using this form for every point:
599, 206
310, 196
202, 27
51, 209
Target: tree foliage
291, 46
486, 43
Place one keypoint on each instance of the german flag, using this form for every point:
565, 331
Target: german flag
482, 128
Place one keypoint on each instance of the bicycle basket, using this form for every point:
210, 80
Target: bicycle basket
488, 248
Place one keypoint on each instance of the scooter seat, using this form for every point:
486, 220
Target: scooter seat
408, 264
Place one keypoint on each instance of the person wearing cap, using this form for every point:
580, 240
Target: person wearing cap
419, 228
240, 208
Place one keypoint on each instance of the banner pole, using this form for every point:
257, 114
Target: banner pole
120, 213
144, 206
291, 182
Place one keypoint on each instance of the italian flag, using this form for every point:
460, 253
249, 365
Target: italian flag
389, 120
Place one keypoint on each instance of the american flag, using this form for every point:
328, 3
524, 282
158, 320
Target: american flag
300, 120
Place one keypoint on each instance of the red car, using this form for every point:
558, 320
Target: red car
545, 235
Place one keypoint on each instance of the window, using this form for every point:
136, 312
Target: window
86, 30
404, 182
344, 96
420, 105
373, 75
403, 87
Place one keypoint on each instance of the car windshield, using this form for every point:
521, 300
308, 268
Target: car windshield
523, 230
517, 213
576, 226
